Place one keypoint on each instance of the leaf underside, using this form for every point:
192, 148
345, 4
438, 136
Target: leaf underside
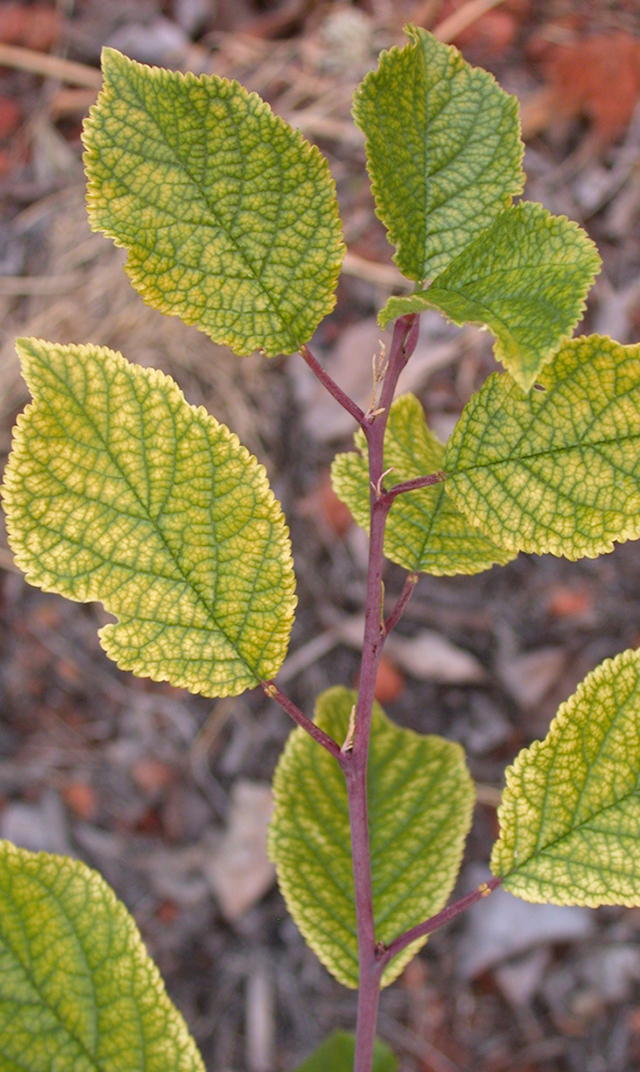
77, 988
336, 1054
117, 490
558, 470
443, 150
570, 813
526, 278
420, 804
425, 531
230, 217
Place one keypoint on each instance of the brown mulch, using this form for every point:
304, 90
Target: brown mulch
142, 780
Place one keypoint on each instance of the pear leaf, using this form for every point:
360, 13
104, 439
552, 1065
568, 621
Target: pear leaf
425, 532
526, 278
570, 813
420, 802
557, 470
337, 1053
77, 988
443, 150
230, 217
117, 490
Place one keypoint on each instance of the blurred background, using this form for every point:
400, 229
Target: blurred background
167, 794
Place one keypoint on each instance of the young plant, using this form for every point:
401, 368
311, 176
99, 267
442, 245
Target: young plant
117, 490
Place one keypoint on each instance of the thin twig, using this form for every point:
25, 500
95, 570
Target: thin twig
274, 693
465, 16
392, 619
25, 59
332, 387
387, 953
388, 497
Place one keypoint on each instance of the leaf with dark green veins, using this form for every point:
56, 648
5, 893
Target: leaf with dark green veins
117, 490
443, 150
420, 803
230, 217
570, 814
425, 531
337, 1052
526, 278
77, 988
557, 470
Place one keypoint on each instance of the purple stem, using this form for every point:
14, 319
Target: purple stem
387, 953
272, 690
388, 497
332, 387
392, 619
405, 337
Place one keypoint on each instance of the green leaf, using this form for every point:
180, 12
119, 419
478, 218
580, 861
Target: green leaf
77, 988
117, 490
443, 150
525, 277
337, 1052
557, 470
230, 217
420, 803
570, 813
425, 531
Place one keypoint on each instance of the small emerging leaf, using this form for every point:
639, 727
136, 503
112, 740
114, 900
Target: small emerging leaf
230, 216
337, 1052
443, 150
420, 804
77, 988
526, 278
570, 814
425, 531
557, 470
117, 490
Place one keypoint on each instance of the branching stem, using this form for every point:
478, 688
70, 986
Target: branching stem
298, 716
392, 619
332, 387
387, 953
387, 498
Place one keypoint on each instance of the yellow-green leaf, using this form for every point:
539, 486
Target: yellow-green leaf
77, 988
336, 1054
425, 531
443, 150
117, 490
230, 217
420, 804
570, 814
526, 278
557, 470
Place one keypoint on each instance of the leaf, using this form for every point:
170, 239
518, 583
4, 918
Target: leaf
525, 277
230, 217
443, 150
118, 490
420, 803
570, 813
337, 1053
557, 470
425, 531
77, 988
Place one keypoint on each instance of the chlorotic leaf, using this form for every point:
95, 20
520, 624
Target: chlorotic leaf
230, 217
557, 470
570, 813
337, 1053
77, 988
420, 803
443, 150
525, 277
425, 531
117, 490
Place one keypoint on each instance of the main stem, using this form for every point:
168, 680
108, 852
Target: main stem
404, 341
